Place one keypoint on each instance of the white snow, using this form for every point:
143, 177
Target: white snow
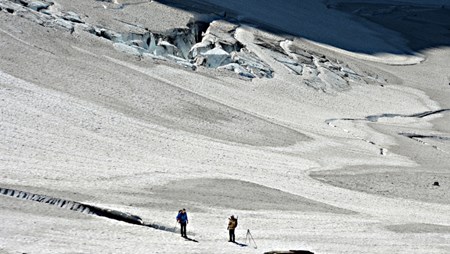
338, 31
294, 156
216, 57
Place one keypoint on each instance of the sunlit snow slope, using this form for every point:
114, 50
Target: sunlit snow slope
323, 125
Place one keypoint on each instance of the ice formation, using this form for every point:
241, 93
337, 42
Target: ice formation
210, 44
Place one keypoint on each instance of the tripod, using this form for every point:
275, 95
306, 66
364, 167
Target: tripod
250, 239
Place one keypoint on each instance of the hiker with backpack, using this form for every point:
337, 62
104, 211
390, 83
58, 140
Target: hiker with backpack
232, 224
182, 218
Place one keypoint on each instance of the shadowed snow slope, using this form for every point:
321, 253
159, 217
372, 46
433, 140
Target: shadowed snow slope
312, 146
318, 22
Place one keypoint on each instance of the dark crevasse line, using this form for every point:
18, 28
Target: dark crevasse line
420, 136
82, 208
428, 113
329, 121
375, 118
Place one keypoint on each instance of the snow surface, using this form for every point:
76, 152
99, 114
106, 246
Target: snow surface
312, 20
85, 119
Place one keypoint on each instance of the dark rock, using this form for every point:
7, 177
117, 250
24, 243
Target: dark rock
290, 252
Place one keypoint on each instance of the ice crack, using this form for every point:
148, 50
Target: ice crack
83, 208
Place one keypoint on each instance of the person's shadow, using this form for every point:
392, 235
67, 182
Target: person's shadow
240, 244
190, 239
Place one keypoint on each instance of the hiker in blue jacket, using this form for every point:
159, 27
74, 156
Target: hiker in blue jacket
182, 218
